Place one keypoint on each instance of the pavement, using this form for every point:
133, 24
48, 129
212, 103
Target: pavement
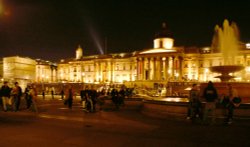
56, 125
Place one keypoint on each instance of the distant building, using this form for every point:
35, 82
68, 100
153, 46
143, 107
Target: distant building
18, 69
46, 71
112, 68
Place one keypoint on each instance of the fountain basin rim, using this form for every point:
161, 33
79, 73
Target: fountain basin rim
226, 68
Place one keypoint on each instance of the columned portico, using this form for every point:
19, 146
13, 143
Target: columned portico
159, 68
161, 63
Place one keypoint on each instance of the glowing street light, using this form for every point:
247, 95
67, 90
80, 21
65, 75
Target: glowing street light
248, 45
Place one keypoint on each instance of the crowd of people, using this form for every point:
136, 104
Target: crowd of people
11, 97
90, 97
230, 100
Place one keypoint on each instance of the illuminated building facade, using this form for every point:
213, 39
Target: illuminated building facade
112, 68
46, 71
18, 69
160, 64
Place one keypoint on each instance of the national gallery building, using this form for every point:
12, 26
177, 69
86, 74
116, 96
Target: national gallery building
160, 64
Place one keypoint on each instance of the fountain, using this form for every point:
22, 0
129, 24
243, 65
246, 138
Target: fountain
225, 71
226, 41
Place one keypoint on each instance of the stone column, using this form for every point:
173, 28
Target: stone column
146, 68
180, 67
139, 68
143, 69
171, 66
167, 68
163, 70
157, 69
151, 69
133, 73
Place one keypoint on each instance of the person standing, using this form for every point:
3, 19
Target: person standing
121, 96
43, 93
5, 93
16, 92
194, 103
232, 104
27, 96
62, 94
33, 98
93, 97
69, 96
210, 94
114, 98
83, 95
52, 92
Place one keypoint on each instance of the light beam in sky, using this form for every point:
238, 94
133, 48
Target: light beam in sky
96, 40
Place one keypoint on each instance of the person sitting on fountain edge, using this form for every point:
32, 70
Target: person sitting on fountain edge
231, 101
211, 96
194, 103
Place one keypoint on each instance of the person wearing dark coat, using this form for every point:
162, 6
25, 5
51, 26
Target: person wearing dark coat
5, 94
211, 96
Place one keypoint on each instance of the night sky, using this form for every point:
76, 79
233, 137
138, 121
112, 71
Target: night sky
53, 29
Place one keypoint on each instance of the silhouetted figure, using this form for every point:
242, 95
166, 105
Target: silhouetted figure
62, 94
16, 92
194, 105
93, 96
52, 93
210, 95
33, 98
232, 101
69, 96
27, 96
5, 94
43, 93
